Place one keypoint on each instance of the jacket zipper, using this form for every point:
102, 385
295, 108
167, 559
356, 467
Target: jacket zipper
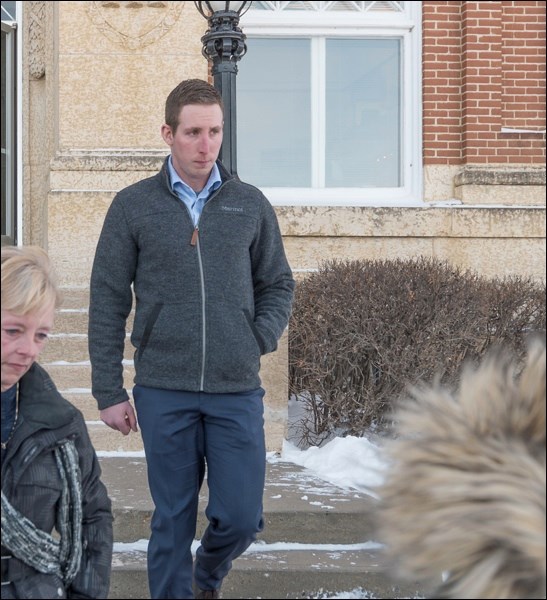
203, 328
194, 241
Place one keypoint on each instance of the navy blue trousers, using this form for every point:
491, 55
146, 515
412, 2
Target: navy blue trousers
186, 434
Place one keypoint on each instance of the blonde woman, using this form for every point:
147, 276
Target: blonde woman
56, 514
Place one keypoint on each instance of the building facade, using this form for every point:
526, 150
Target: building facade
377, 129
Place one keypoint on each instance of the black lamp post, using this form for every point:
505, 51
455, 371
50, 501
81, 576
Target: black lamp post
224, 45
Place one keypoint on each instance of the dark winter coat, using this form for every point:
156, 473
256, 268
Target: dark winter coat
32, 484
210, 300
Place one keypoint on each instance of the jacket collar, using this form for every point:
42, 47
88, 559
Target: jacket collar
39, 401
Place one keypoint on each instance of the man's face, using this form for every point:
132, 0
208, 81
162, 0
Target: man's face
196, 143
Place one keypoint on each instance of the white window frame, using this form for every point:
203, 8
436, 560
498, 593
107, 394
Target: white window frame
317, 26
14, 136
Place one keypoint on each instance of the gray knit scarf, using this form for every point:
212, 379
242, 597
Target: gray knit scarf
39, 549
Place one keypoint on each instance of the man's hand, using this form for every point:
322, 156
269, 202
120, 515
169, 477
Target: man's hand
121, 417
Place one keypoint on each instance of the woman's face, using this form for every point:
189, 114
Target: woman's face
23, 338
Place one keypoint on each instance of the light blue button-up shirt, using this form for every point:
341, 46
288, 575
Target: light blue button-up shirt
193, 201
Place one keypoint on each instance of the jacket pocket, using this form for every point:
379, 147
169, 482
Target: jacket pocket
168, 341
233, 349
40, 585
148, 326
93, 577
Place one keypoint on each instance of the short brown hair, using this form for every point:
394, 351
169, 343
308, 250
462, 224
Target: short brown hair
189, 91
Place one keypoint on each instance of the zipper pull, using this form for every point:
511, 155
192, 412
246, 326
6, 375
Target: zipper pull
194, 239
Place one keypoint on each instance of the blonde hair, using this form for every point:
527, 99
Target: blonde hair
29, 282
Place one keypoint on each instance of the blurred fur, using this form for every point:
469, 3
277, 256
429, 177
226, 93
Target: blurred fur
462, 508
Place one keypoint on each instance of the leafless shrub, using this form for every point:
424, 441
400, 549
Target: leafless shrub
361, 331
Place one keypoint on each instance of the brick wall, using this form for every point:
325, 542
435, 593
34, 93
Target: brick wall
484, 82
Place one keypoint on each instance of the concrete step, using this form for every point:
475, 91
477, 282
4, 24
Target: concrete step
72, 315
105, 439
74, 346
66, 356
82, 399
75, 320
318, 538
297, 505
71, 320
75, 297
311, 573
68, 374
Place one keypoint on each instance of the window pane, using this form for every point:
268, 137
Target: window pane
363, 123
8, 200
8, 11
273, 113
3, 77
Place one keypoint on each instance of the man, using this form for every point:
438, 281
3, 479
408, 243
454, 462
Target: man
213, 293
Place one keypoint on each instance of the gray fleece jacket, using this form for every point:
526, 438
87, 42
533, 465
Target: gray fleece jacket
209, 301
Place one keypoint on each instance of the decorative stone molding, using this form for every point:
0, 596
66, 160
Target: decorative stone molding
123, 160
500, 184
36, 33
119, 23
499, 175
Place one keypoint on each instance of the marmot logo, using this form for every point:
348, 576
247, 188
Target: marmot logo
232, 208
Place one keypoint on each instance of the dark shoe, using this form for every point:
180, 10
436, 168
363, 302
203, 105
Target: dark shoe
207, 593
199, 593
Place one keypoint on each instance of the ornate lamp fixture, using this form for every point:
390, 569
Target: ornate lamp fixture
224, 45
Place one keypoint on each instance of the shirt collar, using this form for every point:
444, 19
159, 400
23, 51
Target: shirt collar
212, 184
